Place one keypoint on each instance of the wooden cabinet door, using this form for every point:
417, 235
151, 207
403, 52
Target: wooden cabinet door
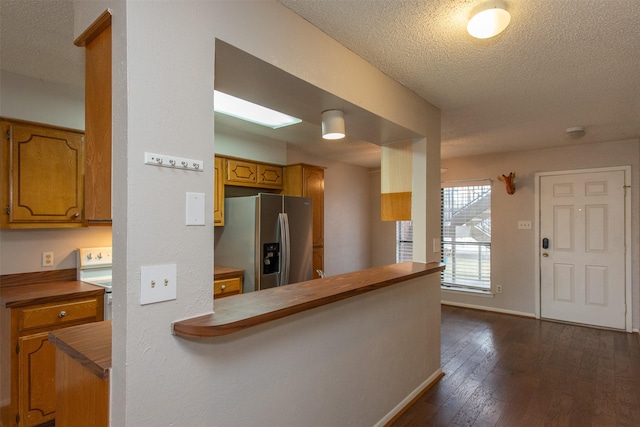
313, 187
98, 126
43, 178
37, 380
269, 175
218, 192
239, 172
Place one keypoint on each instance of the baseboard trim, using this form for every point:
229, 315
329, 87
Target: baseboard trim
416, 394
485, 308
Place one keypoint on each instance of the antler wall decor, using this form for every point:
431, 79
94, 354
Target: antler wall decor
508, 180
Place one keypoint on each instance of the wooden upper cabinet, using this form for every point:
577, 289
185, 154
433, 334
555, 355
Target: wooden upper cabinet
269, 175
239, 172
97, 42
218, 192
42, 176
246, 173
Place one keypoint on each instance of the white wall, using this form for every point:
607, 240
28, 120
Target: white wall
513, 250
34, 100
383, 233
347, 203
163, 77
245, 145
40, 101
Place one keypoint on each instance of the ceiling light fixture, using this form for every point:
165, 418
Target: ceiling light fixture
488, 19
575, 132
250, 112
333, 124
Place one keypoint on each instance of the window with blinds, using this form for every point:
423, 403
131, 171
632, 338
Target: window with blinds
466, 235
404, 241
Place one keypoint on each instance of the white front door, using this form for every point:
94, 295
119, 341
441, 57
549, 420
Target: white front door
582, 267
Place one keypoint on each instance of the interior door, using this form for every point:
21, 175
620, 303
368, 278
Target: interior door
582, 262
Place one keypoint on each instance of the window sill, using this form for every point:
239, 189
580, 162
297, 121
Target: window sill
467, 291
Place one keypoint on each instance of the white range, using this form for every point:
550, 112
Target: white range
94, 266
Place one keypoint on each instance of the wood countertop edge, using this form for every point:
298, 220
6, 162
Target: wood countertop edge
83, 342
243, 311
221, 273
42, 293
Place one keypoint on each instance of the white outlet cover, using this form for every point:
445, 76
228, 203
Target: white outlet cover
158, 283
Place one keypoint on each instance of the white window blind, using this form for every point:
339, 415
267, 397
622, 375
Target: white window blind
466, 234
404, 241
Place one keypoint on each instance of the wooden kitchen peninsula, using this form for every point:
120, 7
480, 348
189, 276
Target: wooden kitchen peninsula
250, 309
83, 366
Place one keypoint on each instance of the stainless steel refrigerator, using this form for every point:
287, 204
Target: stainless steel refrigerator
270, 237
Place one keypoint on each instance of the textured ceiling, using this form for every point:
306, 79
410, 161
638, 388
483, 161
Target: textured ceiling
559, 64
36, 40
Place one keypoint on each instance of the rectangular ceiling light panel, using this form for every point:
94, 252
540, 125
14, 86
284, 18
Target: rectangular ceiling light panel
248, 111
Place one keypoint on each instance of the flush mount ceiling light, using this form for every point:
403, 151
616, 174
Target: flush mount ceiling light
575, 132
333, 124
488, 19
250, 112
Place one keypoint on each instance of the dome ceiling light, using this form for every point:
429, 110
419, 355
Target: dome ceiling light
575, 132
488, 19
333, 124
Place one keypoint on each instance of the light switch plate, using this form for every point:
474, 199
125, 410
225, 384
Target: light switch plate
158, 283
524, 225
195, 209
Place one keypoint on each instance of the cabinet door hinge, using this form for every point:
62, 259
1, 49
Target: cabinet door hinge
17, 348
8, 134
7, 209
17, 418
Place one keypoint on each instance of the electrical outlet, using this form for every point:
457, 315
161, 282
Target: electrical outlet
157, 283
499, 289
47, 259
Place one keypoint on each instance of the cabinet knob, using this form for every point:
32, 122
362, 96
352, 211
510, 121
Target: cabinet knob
223, 287
62, 314
76, 215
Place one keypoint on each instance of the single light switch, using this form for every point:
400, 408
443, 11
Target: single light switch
195, 209
158, 283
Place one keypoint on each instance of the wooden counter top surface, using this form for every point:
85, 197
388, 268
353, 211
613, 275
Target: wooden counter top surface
220, 273
89, 344
41, 293
242, 311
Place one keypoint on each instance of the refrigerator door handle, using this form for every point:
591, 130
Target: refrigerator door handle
285, 257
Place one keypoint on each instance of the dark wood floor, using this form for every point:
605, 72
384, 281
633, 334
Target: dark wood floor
503, 370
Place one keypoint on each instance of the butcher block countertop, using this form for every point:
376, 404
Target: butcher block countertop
240, 312
88, 344
42, 293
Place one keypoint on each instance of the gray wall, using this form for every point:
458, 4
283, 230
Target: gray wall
513, 250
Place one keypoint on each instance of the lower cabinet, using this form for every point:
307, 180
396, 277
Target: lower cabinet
28, 377
227, 281
227, 287
36, 379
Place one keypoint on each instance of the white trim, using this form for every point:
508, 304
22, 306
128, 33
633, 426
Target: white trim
407, 400
467, 291
627, 233
485, 308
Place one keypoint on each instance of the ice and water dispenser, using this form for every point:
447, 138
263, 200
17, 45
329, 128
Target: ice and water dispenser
270, 258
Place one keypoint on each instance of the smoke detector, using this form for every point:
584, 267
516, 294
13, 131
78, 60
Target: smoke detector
575, 132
